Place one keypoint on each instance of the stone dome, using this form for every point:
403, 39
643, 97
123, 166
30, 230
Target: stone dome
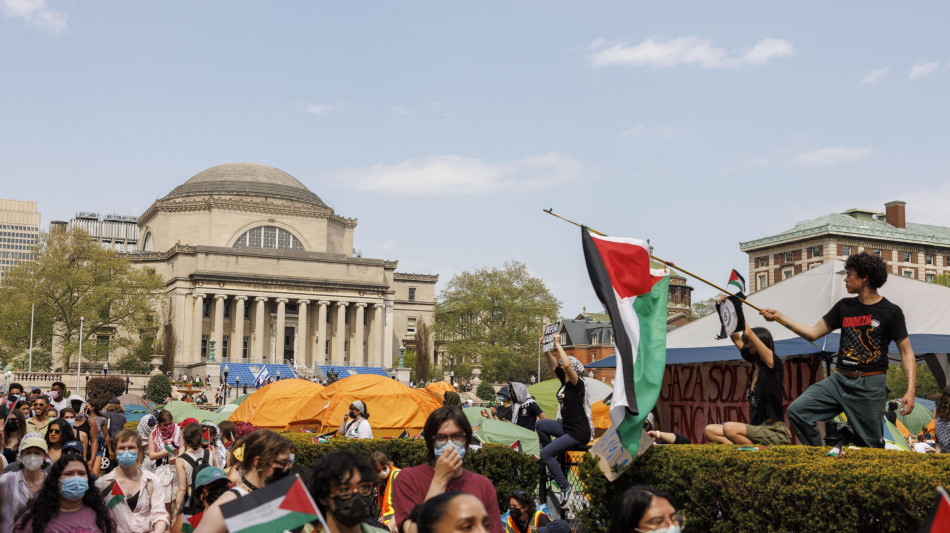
246, 179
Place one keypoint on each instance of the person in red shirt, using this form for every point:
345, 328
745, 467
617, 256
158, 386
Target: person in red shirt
447, 433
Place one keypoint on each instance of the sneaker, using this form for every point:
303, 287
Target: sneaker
564, 496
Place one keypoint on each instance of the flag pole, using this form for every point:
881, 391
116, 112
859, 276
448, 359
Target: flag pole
684, 271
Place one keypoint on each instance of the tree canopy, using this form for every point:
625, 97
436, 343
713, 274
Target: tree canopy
494, 316
74, 277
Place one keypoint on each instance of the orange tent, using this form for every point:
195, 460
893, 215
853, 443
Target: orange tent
438, 390
392, 406
277, 405
600, 412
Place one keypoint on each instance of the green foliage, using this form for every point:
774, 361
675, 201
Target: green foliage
786, 488
102, 389
495, 317
926, 386
703, 308
42, 360
158, 388
423, 346
942, 279
485, 391
506, 468
72, 278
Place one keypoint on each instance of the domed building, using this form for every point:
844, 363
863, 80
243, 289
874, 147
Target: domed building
261, 269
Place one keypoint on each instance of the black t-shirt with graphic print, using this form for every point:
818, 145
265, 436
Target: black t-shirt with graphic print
866, 332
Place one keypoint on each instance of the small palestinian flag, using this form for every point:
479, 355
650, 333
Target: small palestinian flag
190, 523
206, 437
170, 448
516, 445
939, 517
736, 280
404, 434
419, 436
319, 440
279, 506
116, 496
303, 430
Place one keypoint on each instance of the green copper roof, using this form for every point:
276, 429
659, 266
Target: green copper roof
849, 226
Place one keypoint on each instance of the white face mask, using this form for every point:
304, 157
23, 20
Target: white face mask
32, 462
384, 474
675, 528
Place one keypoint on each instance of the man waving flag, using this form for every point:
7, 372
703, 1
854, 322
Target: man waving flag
635, 296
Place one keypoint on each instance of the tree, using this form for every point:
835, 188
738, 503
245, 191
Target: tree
485, 391
942, 279
703, 308
925, 387
159, 387
423, 346
73, 278
102, 389
495, 316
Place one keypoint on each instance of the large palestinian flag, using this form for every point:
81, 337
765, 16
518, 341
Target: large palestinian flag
635, 297
279, 506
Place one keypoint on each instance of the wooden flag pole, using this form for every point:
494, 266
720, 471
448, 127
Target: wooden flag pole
684, 271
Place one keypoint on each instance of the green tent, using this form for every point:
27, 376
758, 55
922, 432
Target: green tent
545, 393
474, 415
501, 432
183, 410
239, 399
915, 420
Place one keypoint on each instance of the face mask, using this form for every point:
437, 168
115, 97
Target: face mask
460, 448
351, 511
71, 421
384, 474
675, 528
501, 399
515, 513
279, 473
13, 398
292, 458
352, 414
128, 458
55, 395
32, 462
74, 488
10, 426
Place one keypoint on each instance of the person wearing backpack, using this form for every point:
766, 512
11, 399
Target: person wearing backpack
191, 462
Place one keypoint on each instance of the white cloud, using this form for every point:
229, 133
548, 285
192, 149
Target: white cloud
751, 164
399, 110
451, 175
320, 109
689, 50
831, 156
922, 68
35, 13
876, 75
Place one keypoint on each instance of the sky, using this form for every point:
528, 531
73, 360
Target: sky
446, 127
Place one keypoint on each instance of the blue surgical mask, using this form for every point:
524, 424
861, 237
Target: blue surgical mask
128, 458
71, 421
460, 448
501, 398
675, 528
292, 457
74, 488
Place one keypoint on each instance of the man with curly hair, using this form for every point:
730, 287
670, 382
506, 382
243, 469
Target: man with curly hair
868, 323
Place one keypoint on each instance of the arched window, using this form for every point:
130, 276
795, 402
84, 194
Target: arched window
149, 243
268, 237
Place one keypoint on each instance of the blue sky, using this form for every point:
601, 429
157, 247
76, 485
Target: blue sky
445, 128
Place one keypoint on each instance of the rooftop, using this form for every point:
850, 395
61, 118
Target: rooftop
246, 179
856, 223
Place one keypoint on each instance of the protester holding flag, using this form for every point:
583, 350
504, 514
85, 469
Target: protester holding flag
355, 423
68, 501
135, 497
215, 445
574, 425
163, 447
766, 413
342, 484
447, 433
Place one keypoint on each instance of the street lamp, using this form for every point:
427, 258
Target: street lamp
392, 373
105, 368
128, 381
402, 356
533, 379
278, 375
237, 382
87, 377
226, 369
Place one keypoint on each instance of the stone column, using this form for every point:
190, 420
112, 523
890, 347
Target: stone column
303, 339
339, 333
237, 338
375, 335
356, 345
217, 330
388, 334
197, 319
258, 352
279, 330
321, 355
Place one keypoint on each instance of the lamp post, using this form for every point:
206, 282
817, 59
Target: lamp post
105, 368
87, 378
82, 322
402, 356
227, 370
452, 378
237, 382
128, 381
533, 379
392, 373
278, 375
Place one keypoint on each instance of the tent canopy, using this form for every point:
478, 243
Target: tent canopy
276, 405
501, 432
545, 393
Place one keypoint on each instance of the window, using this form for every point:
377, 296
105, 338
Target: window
787, 274
412, 294
763, 281
763, 261
593, 356
247, 313
907, 257
205, 308
908, 273
246, 344
204, 345
149, 243
815, 251
877, 252
102, 346
564, 339
845, 250
594, 338
227, 307
930, 277
788, 257
268, 237
929, 259
411, 326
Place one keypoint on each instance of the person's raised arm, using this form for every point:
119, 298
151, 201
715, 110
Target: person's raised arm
909, 362
565, 362
820, 329
552, 361
760, 348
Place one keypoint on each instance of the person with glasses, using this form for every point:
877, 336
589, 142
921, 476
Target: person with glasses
522, 514
57, 433
17, 488
40, 422
342, 484
67, 502
447, 433
642, 509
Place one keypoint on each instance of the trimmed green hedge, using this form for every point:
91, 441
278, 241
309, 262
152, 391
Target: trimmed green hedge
786, 488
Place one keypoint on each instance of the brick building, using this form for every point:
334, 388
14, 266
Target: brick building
918, 251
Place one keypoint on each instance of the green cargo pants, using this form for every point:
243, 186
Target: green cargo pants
862, 400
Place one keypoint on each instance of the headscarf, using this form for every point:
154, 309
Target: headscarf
162, 436
522, 399
143, 429
452, 398
360, 406
220, 452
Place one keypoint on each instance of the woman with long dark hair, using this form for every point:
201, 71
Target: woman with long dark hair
644, 509
766, 413
13, 430
68, 499
58, 432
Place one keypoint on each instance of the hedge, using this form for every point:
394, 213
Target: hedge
786, 488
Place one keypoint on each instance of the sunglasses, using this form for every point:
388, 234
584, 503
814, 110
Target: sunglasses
54, 432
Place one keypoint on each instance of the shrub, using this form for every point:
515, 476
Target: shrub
100, 390
158, 388
786, 488
506, 468
485, 391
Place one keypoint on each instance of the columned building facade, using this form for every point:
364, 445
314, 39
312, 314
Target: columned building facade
260, 270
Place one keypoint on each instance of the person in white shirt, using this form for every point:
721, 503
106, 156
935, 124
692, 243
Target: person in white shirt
17, 488
355, 424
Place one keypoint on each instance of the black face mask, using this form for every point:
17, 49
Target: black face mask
515, 513
10, 426
279, 473
351, 511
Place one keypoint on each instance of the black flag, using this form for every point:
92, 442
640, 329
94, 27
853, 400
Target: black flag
730, 315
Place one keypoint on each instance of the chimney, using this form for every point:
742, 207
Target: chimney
895, 214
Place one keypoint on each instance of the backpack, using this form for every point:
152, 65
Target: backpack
196, 466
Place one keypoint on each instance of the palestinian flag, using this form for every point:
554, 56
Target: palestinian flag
116, 496
190, 523
516, 445
206, 437
170, 448
404, 434
279, 506
939, 517
736, 280
635, 296
319, 440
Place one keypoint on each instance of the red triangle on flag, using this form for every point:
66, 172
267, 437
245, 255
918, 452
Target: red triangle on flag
194, 519
298, 500
516, 445
206, 437
941, 520
116, 489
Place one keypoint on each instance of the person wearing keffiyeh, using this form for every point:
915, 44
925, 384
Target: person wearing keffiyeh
525, 412
163, 447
